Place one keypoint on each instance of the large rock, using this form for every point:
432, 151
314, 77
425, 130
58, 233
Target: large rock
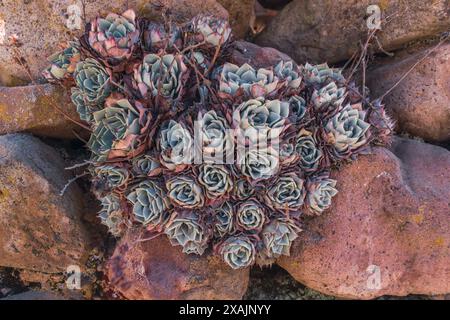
39, 229
330, 30
154, 269
256, 56
420, 103
388, 230
41, 25
34, 109
241, 12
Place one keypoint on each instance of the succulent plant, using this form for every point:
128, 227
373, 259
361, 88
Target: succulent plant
115, 36
185, 229
250, 216
317, 75
116, 130
234, 79
84, 110
156, 37
348, 131
259, 120
310, 153
109, 177
215, 179
297, 109
238, 252
176, 146
93, 80
211, 30
320, 191
215, 137
161, 75
288, 71
224, 220
111, 215
287, 193
62, 63
329, 98
149, 204
146, 165
243, 190
184, 192
278, 236
258, 163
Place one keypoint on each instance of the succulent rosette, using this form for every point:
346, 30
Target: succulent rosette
93, 81
216, 140
109, 177
115, 36
216, 180
161, 75
250, 216
156, 37
289, 72
259, 163
211, 30
224, 220
189, 142
259, 120
238, 252
278, 236
256, 83
149, 204
320, 191
308, 150
63, 63
348, 131
176, 146
186, 230
287, 193
184, 192
117, 130
111, 215
146, 165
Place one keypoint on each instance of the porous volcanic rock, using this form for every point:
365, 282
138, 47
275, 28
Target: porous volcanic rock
154, 269
39, 229
318, 31
40, 25
420, 102
388, 230
34, 109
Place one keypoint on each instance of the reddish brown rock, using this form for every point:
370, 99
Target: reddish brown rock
40, 25
388, 230
39, 229
256, 56
154, 270
420, 103
34, 109
318, 31
241, 13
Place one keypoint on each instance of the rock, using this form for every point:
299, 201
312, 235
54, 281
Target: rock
154, 269
388, 230
318, 31
39, 229
420, 103
256, 56
42, 295
33, 109
41, 25
240, 14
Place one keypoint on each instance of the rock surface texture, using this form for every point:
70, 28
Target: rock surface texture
320, 31
34, 109
154, 269
388, 230
421, 102
39, 229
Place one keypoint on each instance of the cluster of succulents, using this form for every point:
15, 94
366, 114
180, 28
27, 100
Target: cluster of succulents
221, 158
